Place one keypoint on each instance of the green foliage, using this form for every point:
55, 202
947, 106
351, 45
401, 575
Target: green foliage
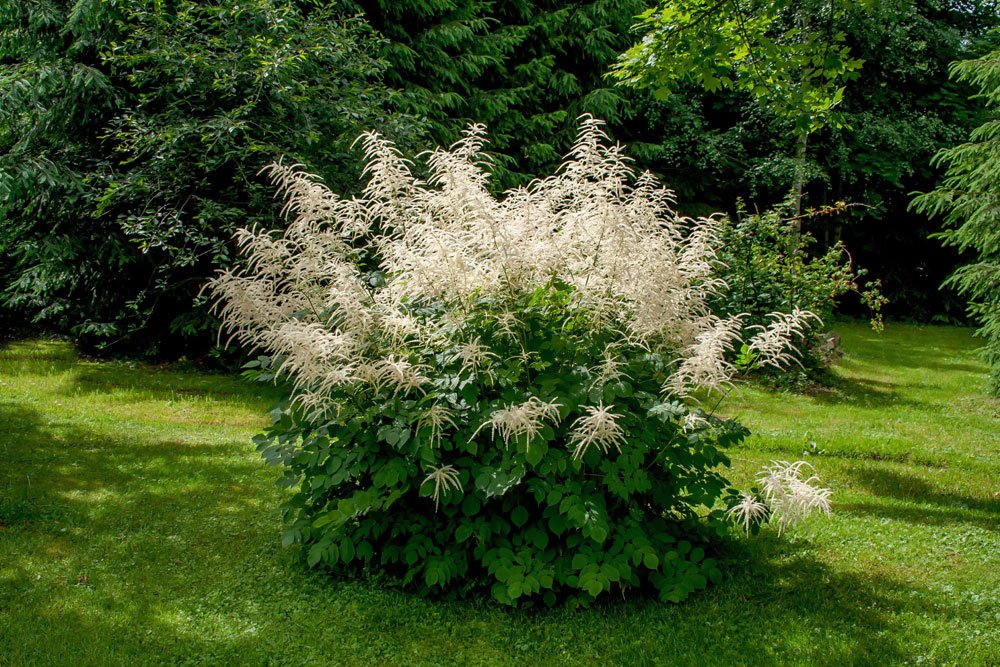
526, 69
154, 540
131, 140
769, 268
57, 263
98, 139
901, 110
969, 199
897, 111
785, 55
220, 91
528, 521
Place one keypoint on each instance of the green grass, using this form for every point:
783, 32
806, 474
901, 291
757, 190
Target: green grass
137, 525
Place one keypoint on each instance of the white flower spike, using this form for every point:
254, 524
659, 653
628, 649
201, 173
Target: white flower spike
445, 478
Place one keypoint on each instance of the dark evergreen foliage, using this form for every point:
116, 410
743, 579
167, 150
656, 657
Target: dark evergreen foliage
896, 113
902, 109
525, 69
131, 138
969, 199
57, 98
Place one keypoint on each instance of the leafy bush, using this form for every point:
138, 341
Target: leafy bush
488, 393
56, 101
784, 496
592, 488
769, 266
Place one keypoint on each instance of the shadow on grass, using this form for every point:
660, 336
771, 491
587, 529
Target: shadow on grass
933, 348
132, 380
944, 507
151, 551
55, 352
860, 392
928, 516
98, 528
24, 454
67, 475
785, 606
780, 606
165, 383
125, 550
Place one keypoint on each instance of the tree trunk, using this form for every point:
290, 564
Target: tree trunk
800, 177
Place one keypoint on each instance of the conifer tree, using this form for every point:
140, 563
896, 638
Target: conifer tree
131, 134
525, 68
969, 199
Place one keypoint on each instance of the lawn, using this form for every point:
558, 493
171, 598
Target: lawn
138, 526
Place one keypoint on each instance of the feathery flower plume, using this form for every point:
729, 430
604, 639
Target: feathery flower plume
791, 497
775, 343
399, 326
507, 324
399, 374
692, 421
446, 243
474, 355
609, 370
599, 427
706, 364
524, 419
748, 510
444, 478
436, 417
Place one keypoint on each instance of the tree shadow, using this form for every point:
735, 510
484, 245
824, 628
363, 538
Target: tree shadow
70, 475
928, 516
136, 530
859, 392
944, 507
912, 352
156, 552
20, 438
778, 605
133, 381
149, 382
38, 357
937, 352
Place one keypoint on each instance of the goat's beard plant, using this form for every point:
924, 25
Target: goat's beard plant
490, 393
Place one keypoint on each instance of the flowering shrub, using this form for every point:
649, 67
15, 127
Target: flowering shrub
769, 266
489, 393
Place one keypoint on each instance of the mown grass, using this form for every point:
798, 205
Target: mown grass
138, 526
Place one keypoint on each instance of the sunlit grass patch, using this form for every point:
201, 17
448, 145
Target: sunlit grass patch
138, 526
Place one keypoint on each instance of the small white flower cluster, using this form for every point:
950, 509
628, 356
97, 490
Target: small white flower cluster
692, 421
525, 419
790, 495
397, 374
474, 355
599, 427
748, 511
444, 478
609, 370
774, 344
436, 417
